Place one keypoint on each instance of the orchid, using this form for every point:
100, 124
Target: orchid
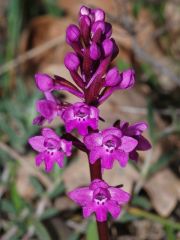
135, 131
51, 148
94, 81
100, 198
80, 116
109, 145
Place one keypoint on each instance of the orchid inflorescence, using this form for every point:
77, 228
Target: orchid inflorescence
94, 81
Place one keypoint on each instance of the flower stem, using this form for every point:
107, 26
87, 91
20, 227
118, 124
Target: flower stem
95, 172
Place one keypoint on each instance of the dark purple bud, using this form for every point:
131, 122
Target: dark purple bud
99, 14
112, 77
127, 79
95, 52
98, 25
107, 46
72, 34
71, 61
44, 82
97, 30
108, 29
84, 11
115, 49
85, 25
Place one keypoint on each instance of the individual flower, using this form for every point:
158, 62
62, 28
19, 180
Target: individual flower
51, 148
113, 82
135, 131
100, 198
80, 116
109, 145
48, 110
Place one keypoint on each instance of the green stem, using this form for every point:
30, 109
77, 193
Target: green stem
141, 213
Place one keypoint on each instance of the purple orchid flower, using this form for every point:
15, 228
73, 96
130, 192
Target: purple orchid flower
113, 82
51, 148
80, 116
48, 110
100, 198
135, 131
109, 145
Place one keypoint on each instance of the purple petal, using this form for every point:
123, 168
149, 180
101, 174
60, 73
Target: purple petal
95, 154
137, 128
59, 158
47, 109
98, 183
128, 144
113, 208
66, 147
82, 127
119, 195
49, 133
39, 159
44, 82
81, 196
71, 61
68, 114
93, 140
94, 112
122, 157
112, 77
49, 163
127, 79
107, 160
143, 143
37, 143
88, 210
112, 131
70, 125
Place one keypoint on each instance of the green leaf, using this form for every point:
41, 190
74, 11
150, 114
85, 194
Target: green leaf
92, 233
59, 189
37, 185
40, 230
50, 212
162, 162
142, 202
7, 206
170, 233
126, 217
151, 122
17, 201
123, 65
74, 236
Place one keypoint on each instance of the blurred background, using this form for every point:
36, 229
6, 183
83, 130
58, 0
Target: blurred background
33, 204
